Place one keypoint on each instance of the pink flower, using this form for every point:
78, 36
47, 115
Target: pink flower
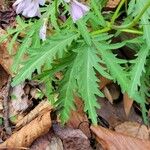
28, 8
78, 10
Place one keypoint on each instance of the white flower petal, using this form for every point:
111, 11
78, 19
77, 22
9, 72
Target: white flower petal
83, 7
28, 8
41, 2
67, 1
17, 2
20, 8
78, 10
42, 32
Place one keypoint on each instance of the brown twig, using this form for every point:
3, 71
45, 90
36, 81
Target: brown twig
5, 94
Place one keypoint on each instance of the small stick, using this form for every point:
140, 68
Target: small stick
5, 94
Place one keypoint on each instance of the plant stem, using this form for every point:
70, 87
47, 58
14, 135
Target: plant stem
116, 12
56, 3
123, 28
131, 31
135, 20
101, 31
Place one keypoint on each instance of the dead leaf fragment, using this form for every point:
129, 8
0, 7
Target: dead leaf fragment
111, 140
5, 59
112, 3
128, 102
133, 129
111, 92
115, 114
107, 95
20, 101
44, 105
79, 119
103, 81
48, 141
25, 136
55, 144
3, 77
73, 139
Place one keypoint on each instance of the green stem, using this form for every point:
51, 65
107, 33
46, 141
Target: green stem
101, 31
123, 28
131, 31
116, 12
56, 3
135, 20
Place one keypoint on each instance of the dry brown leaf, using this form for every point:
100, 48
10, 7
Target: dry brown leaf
133, 129
128, 102
107, 94
34, 113
79, 119
111, 92
3, 77
73, 139
36, 93
19, 100
112, 3
48, 141
115, 114
55, 144
5, 59
103, 82
111, 140
25, 136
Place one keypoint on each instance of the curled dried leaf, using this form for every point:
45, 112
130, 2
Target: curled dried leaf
25, 136
111, 140
44, 105
133, 129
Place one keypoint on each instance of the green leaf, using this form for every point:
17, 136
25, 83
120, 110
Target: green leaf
56, 67
84, 31
1, 121
137, 70
39, 55
88, 63
131, 7
140, 98
21, 51
53, 17
144, 21
49, 90
67, 91
96, 7
113, 65
12, 42
20, 22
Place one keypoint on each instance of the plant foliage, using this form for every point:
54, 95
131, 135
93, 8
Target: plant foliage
83, 49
